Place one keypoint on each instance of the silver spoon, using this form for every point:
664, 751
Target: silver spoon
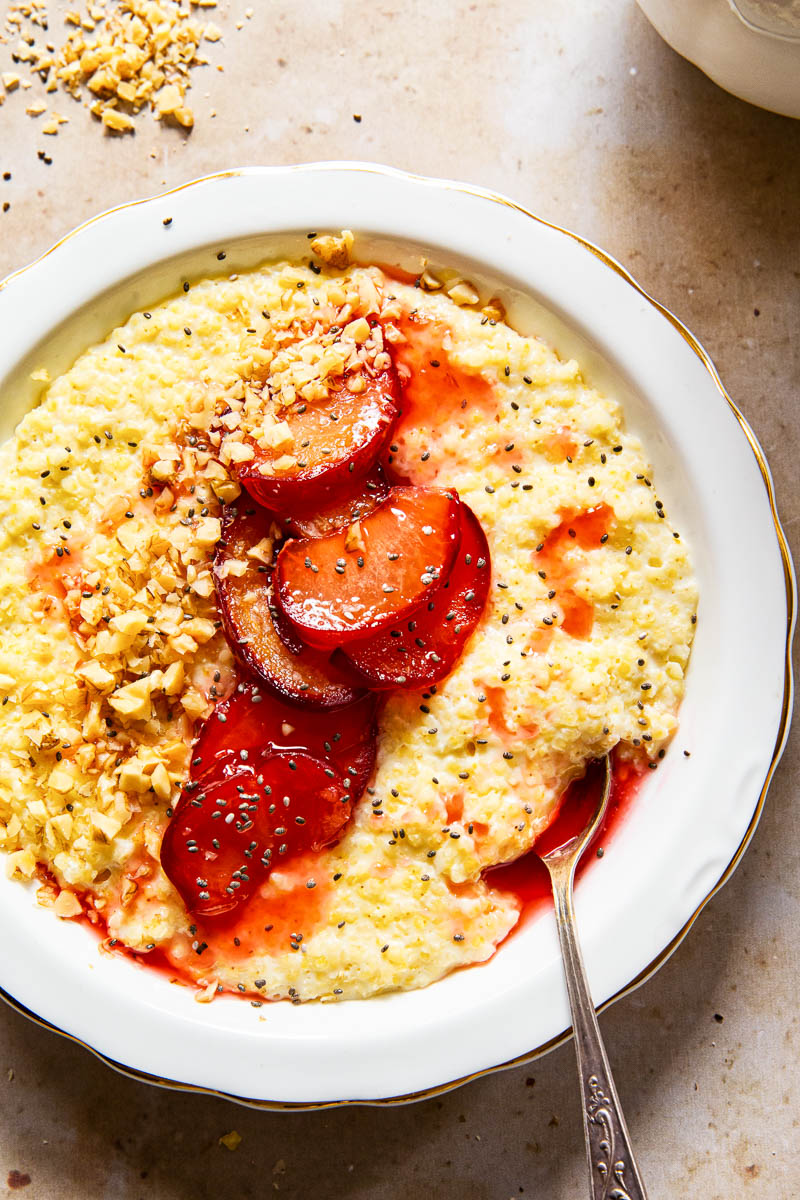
613, 1172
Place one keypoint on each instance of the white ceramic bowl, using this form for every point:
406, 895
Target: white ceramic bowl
693, 817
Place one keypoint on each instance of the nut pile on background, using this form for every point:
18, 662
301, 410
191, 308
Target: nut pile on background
117, 57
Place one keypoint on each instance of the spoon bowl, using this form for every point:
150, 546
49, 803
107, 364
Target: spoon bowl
559, 847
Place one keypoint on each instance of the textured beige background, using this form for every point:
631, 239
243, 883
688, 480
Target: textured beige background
579, 111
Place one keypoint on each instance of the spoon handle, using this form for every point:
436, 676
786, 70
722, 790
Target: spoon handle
613, 1172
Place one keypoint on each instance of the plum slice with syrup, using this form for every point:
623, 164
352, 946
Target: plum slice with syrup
355, 582
226, 835
259, 635
253, 719
424, 649
333, 443
344, 511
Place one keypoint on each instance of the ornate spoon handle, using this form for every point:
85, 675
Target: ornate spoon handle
613, 1172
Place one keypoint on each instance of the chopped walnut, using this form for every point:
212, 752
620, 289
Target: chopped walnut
335, 251
462, 292
67, 905
354, 539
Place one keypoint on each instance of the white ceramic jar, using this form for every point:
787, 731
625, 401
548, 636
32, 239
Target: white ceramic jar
749, 47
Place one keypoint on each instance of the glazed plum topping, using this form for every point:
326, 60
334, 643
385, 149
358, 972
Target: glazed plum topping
357, 581
371, 492
200, 856
252, 720
258, 633
226, 835
377, 587
328, 446
268, 780
422, 650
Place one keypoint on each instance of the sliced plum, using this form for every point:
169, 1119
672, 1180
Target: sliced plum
424, 649
228, 833
371, 492
258, 633
328, 445
200, 856
252, 720
355, 582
